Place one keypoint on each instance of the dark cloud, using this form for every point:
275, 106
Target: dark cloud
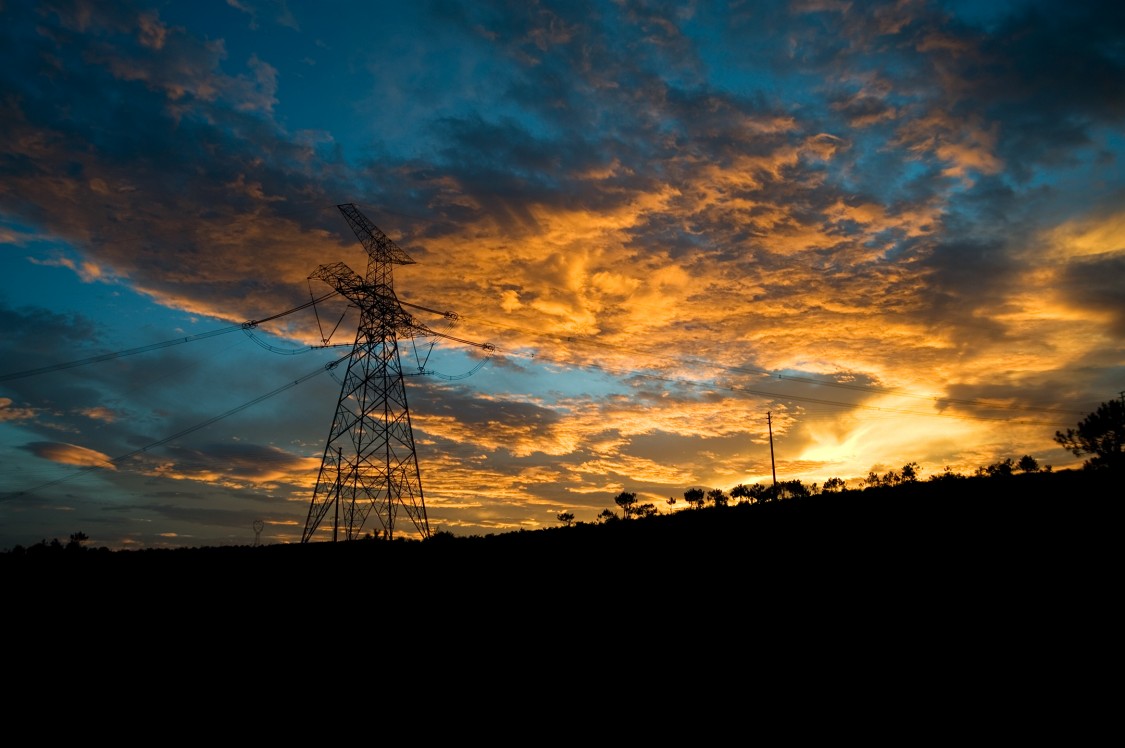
475, 412
237, 460
1097, 284
152, 159
32, 336
1050, 73
965, 278
862, 110
1052, 400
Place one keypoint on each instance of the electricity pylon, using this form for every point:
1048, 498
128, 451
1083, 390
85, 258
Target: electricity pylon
369, 460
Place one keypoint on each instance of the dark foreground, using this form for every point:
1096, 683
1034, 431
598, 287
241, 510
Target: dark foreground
980, 590
989, 537
976, 607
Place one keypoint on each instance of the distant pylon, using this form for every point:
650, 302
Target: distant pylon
369, 460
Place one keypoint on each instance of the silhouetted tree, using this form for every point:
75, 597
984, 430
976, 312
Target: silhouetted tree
1028, 464
1001, 469
832, 485
946, 474
44, 547
626, 500
76, 541
760, 492
694, 497
1101, 434
607, 515
750, 494
640, 511
567, 518
717, 497
791, 489
910, 472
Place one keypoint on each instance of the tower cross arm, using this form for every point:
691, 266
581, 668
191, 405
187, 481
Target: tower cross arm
411, 327
343, 279
379, 246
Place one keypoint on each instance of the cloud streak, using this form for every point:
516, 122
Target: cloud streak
70, 454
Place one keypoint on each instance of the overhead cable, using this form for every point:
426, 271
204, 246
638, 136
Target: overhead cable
154, 346
327, 367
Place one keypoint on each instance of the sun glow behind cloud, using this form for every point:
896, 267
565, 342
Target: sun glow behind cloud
1089, 235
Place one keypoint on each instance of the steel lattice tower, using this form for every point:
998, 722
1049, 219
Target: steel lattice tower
369, 460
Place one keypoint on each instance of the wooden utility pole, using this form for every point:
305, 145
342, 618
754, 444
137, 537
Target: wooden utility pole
773, 469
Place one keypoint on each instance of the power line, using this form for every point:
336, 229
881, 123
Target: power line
185, 432
155, 346
491, 349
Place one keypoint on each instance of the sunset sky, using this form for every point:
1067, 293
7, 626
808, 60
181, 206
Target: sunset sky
896, 230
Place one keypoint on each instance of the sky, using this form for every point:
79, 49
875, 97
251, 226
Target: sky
710, 243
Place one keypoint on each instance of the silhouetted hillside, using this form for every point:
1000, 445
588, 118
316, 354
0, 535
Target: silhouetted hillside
1032, 520
973, 575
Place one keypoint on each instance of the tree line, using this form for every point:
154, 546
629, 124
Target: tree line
1100, 436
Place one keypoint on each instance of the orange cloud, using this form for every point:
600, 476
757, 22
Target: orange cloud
71, 454
1088, 235
8, 413
966, 144
100, 414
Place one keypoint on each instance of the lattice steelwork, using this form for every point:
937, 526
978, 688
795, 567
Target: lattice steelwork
370, 461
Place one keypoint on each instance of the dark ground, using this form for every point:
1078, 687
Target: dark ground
932, 604
985, 536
